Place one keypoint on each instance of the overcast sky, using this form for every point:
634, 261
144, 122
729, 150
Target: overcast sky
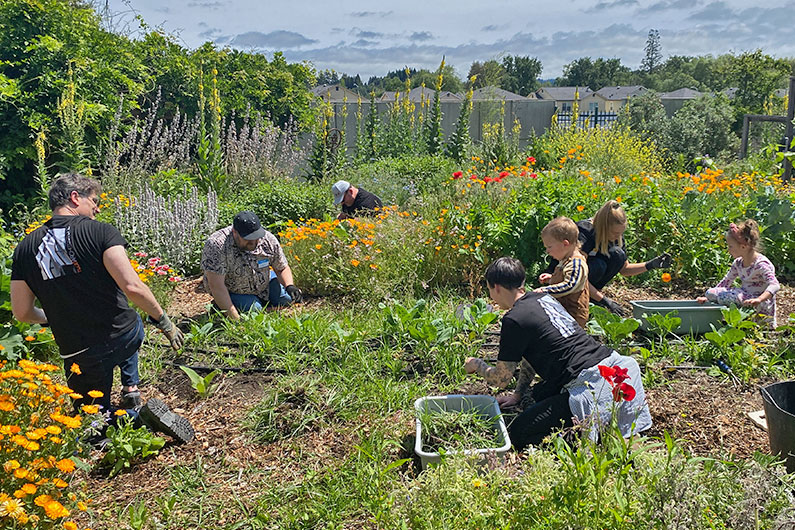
372, 38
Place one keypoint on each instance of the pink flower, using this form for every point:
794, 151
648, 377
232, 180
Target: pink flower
153, 261
533, 176
175, 279
140, 254
162, 273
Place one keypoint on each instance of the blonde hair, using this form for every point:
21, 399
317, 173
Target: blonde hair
746, 232
562, 228
609, 215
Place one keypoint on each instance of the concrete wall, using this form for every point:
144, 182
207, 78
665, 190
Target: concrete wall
534, 116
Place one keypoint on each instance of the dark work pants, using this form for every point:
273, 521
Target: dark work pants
602, 269
539, 420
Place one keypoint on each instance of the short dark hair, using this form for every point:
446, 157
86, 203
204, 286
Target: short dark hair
63, 186
507, 272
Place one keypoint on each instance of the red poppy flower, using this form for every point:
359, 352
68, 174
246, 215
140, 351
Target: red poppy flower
621, 374
523, 173
473, 177
607, 372
533, 176
623, 391
487, 179
458, 174
504, 174
531, 159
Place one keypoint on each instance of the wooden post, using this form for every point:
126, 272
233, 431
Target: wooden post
744, 143
790, 117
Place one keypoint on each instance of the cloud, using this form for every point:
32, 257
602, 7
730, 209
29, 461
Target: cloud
365, 14
714, 12
273, 40
363, 34
210, 33
207, 5
421, 36
493, 27
668, 5
601, 6
364, 43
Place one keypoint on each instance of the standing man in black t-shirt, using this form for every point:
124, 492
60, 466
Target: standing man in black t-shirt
355, 201
538, 330
79, 271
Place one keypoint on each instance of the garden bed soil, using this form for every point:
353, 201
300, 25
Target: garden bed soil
705, 411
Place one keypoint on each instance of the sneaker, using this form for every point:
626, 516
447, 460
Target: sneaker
158, 417
130, 399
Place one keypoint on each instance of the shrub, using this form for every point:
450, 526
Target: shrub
279, 201
605, 153
174, 229
702, 126
398, 181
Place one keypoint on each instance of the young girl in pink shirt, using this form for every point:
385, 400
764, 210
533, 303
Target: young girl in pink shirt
758, 283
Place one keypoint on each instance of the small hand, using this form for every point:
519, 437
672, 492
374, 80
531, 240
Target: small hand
471, 365
701, 299
663, 261
753, 301
544, 277
539, 290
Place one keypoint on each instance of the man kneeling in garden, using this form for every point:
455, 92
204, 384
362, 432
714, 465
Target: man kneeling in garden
245, 268
79, 271
580, 377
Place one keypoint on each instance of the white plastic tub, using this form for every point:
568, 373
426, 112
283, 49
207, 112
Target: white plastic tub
485, 405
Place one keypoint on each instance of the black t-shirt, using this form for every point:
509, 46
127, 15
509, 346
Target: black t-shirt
62, 264
365, 202
539, 329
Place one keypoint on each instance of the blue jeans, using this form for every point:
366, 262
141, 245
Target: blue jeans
96, 368
277, 296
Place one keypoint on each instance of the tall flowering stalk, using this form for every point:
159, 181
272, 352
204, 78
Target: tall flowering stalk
433, 134
71, 114
460, 140
42, 177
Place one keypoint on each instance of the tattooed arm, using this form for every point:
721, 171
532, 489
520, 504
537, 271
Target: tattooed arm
499, 375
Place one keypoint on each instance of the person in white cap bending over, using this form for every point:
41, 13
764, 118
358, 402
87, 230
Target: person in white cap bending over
355, 201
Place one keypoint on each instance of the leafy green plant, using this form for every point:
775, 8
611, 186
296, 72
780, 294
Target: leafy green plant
138, 514
202, 385
612, 327
126, 443
445, 431
477, 316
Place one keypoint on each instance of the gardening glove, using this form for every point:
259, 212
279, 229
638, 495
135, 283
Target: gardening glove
172, 332
663, 261
611, 306
295, 293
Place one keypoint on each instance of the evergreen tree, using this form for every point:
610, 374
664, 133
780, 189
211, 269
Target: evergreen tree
653, 58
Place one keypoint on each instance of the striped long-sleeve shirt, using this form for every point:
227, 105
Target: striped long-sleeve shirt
570, 276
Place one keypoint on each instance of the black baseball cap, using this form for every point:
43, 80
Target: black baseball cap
247, 225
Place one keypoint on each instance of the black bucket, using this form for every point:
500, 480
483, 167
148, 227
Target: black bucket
779, 401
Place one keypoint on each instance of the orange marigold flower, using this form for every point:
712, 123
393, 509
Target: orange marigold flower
55, 510
666, 277
580, 208
355, 262
95, 394
81, 506
10, 466
120, 412
69, 525
30, 338
75, 369
66, 465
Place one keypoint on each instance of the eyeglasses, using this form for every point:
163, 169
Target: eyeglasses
94, 199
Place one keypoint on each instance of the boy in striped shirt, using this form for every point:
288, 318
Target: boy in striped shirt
568, 282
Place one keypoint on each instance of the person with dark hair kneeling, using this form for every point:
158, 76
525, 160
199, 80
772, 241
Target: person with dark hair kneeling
573, 366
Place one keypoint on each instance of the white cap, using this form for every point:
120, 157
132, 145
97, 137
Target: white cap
338, 190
